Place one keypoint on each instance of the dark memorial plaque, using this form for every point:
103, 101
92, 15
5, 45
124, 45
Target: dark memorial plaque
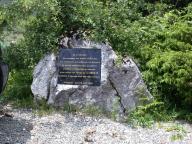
79, 66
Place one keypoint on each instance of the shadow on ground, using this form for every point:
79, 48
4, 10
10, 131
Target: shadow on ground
14, 131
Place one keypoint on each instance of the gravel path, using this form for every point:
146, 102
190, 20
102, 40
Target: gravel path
27, 128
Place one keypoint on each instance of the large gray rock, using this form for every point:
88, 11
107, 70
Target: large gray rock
42, 76
121, 86
128, 83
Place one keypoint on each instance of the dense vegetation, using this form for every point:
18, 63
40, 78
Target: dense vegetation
156, 33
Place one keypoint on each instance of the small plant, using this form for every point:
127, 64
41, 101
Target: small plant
177, 128
69, 107
42, 108
179, 132
119, 59
146, 115
176, 137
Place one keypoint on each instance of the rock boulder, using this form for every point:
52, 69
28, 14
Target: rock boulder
121, 86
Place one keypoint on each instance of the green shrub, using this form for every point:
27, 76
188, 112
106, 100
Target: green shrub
167, 59
18, 89
158, 34
146, 115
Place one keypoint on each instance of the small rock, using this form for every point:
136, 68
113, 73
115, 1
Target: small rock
90, 131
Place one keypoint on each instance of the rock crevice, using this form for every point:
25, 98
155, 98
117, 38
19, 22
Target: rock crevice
119, 96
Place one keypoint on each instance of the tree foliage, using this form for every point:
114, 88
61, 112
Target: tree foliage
158, 34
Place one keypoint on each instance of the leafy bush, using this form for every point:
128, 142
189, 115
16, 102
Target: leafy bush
146, 115
18, 89
158, 34
167, 58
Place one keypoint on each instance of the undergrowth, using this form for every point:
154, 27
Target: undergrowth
147, 115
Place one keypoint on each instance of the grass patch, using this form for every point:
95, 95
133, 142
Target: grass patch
69, 108
176, 137
179, 130
42, 108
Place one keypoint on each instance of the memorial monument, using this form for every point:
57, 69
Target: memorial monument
85, 74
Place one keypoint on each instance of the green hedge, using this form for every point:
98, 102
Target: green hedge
158, 34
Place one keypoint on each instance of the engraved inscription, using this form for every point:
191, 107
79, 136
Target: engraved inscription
79, 66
